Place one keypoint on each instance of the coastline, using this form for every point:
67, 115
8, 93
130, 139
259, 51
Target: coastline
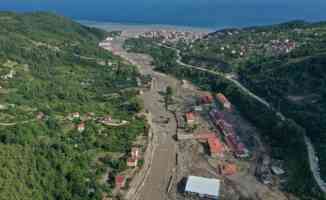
135, 27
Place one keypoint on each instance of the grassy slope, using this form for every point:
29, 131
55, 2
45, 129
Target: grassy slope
49, 159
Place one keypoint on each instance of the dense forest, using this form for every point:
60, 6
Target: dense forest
285, 137
51, 67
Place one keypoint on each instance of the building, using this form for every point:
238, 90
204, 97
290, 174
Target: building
223, 101
228, 169
277, 170
132, 162
75, 115
206, 99
190, 118
203, 187
81, 127
120, 181
215, 146
40, 115
135, 152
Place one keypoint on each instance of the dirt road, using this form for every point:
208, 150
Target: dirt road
163, 163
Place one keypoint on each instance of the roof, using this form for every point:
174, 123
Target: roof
190, 116
215, 145
222, 98
203, 186
207, 98
205, 135
119, 179
229, 169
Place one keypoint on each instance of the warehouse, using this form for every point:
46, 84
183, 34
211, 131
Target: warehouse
203, 187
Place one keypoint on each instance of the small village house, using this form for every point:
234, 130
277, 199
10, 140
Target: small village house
223, 101
132, 162
40, 115
81, 127
215, 147
190, 118
120, 181
206, 99
228, 169
135, 152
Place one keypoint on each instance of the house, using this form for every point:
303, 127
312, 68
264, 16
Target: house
277, 170
215, 146
190, 118
223, 101
81, 127
40, 116
203, 187
120, 181
198, 108
132, 162
135, 152
105, 120
206, 99
75, 115
228, 169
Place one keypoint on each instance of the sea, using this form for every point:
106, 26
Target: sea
212, 14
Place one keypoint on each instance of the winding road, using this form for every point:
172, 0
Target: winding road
313, 162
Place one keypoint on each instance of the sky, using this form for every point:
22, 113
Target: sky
179, 12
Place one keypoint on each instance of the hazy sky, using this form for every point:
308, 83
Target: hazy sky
186, 12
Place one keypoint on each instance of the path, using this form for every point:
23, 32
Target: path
15, 123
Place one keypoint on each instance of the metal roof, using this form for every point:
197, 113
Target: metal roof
203, 186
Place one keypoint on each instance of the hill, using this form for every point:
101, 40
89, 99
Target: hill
51, 67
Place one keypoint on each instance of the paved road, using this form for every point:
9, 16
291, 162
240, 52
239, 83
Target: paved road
314, 164
226, 76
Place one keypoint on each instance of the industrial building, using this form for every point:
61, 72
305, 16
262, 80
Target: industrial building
203, 187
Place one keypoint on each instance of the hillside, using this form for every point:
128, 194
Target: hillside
51, 67
283, 64
295, 84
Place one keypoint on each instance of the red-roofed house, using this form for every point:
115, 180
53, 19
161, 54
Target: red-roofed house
120, 181
223, 101
81, 127
207, 99
132, 162
190, 118
228, 169
215, 147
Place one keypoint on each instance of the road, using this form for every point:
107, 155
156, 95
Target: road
155, 185
313, 162
163, 163
226, 76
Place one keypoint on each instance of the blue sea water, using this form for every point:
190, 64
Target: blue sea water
198, 13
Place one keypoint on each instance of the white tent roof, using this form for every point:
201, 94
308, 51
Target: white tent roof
203, 186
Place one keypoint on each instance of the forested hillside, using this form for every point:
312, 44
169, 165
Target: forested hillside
51, 67
296, 85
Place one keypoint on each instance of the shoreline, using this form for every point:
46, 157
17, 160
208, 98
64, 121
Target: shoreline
135, 27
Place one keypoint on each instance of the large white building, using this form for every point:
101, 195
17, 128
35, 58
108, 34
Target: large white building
203, 187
